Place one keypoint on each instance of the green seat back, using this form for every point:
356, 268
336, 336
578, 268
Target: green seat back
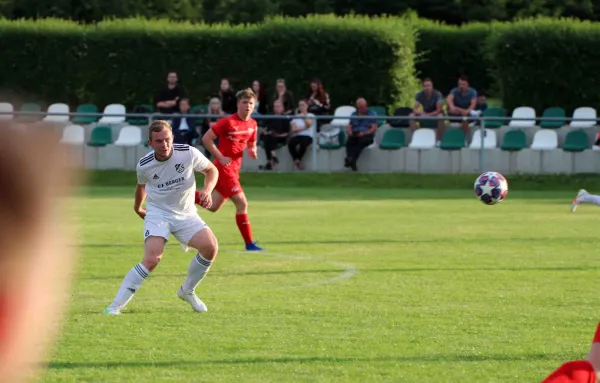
380, 111
494, 112
576, 141
393, 139
85, 120
139, 121
514, 140
30, 107
428, 123
555, 112
101, 136
453, 139
199, 109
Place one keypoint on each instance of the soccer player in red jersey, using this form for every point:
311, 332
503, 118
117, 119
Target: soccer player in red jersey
580, 371
235, 133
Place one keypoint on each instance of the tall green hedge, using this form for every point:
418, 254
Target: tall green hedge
547, 62
127, 60
446, 52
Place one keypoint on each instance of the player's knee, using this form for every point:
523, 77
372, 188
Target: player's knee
210, 249
153, 252
241, 206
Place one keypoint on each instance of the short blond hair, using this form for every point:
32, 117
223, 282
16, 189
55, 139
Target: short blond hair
247, 93
158, 126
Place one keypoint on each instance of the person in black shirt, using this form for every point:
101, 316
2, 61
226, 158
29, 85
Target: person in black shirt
276, 132
227, 97
167, 99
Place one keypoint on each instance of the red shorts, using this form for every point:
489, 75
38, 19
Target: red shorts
228, 186
578, 371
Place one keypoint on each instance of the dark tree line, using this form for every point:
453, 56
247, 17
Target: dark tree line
244, 11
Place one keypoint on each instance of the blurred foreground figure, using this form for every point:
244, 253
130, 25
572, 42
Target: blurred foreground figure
580, 371
35, 260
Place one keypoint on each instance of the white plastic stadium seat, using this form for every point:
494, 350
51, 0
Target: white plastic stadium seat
74, 135
342, 114
8, 108
423, 138
489, 139
545, 139
584, 117
129, 136
116, 109
58, 108
523, 112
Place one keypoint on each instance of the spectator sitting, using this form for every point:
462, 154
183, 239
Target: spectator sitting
184, 128
430, 100
481, 105
285, 97
276, 132
360, 133
227, 97
167, 99
303, 132
214, 108
461, 102
261, 97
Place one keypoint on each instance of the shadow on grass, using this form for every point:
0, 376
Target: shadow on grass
315, 359
371, 241
348, 194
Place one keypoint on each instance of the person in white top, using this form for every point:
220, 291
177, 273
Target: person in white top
166, 177
302, 134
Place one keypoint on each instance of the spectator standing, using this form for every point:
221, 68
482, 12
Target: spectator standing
261, 94
428, 103
214, 108
184, 128
303, 131
283, 95
167, 99
318, 101
361, 133
227, 97
461, 102
276, 132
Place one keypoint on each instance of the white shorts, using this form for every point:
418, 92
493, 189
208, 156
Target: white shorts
183, 228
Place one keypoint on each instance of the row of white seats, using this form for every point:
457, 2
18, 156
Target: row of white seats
584, 117
114, 113
128, 136
424, 138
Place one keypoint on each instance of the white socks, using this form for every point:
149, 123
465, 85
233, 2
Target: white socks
591, 198
199, 266
132, 282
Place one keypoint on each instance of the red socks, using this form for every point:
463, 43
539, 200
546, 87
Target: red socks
244, 226
197, 198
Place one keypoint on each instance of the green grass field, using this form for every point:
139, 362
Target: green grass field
358, 285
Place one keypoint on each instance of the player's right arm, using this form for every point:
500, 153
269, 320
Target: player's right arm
140, 195
209, 138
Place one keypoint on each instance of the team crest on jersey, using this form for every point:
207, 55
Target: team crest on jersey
180, 168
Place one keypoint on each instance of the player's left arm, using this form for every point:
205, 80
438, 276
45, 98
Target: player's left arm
211, 175
252, 150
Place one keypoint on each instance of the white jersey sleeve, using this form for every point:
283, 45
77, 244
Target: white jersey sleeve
199, 160
141, 177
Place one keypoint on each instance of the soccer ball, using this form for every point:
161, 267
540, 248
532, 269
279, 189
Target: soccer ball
491, 188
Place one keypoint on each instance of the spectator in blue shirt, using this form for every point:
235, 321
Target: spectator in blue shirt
360, 133
184, 128
461, 102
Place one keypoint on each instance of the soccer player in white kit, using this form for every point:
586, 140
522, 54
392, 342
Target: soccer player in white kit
166, 176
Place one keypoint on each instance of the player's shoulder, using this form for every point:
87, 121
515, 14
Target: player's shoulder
146, 160
181, 147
